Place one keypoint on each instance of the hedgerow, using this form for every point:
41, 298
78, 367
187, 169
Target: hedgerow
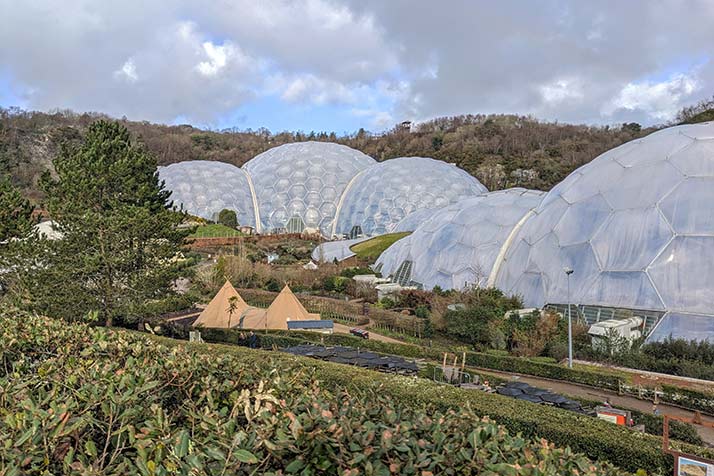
685, 398
82, 400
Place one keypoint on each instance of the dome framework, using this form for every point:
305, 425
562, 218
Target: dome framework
636, 226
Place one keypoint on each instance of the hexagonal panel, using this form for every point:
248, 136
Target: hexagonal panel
696, 160
635, 190
581, 220
630, 239
683, 274
689, 207
205, 188
311, 172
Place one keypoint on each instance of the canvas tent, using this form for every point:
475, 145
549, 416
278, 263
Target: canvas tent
217, 314
284, 308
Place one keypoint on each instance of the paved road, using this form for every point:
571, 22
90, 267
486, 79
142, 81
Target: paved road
343, 329
565, 388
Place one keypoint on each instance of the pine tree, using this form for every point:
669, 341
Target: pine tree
120, 234
15, 212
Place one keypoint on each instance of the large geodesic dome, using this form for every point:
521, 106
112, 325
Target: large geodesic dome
299, 185
205, 188
381, 196
412, 221
636, 226
459, 245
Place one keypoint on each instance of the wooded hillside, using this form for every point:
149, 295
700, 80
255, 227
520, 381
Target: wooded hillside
500, 150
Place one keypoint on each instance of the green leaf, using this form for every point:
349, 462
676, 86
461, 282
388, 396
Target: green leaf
295, 466
245, 456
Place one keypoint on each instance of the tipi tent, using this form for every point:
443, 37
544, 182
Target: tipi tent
284, 308
218, 312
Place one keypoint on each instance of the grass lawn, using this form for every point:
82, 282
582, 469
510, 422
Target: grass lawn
214, 231
371, 249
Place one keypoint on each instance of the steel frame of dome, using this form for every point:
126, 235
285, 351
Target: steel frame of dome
204, 188
379, 197
636, 226
305, 180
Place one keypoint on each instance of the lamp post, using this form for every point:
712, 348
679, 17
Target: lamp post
568, 272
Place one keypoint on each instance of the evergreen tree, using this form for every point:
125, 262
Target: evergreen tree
120, 235
15, 212
15, 222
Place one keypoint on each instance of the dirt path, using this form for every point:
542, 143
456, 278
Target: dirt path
343, 329
565, 388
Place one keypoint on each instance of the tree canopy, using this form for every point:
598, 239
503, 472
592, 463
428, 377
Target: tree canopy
120, 236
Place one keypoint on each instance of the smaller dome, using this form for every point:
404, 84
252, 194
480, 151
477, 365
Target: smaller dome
298, 186
460, 244
383, 195
204, 188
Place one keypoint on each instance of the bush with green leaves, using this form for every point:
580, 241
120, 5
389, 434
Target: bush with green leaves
228, 218
82, 400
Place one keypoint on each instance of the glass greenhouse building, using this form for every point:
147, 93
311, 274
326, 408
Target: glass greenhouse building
635, 225
318, 187
381, 196
458, 246
299, 185
205, 188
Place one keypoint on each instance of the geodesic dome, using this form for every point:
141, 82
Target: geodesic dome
304, 182
460, 244
204, 188
381, 196
412, 221
636, 226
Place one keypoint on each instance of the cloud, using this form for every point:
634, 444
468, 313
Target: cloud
593, 62
661, 100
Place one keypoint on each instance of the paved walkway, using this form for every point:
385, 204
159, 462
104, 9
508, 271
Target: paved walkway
575, 390
343, 329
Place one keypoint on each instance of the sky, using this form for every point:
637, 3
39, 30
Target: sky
341, 65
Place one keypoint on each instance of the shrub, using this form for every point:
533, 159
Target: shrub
96, 401
228, 218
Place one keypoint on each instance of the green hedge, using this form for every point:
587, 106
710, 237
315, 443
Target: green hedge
689, 399
82, 400
599, 439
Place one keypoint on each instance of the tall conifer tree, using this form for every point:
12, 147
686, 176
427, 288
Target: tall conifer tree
120, 236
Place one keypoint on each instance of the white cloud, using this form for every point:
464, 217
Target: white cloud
402, 59
218, 58
561, 90
127, 71
660, 100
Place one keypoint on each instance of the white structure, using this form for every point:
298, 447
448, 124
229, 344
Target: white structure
381, 196
460, 245
299, 185
205, 188
624, 329
330, 251
636, 226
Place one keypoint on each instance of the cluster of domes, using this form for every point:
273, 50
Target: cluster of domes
635, 225
318, 186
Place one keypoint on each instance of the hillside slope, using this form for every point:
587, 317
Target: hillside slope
501, 151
